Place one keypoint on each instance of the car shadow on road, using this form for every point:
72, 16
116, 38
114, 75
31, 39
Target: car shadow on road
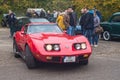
61, 67
56, 66
113, 40
116, 40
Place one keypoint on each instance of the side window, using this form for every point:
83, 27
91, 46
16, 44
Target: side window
116, 18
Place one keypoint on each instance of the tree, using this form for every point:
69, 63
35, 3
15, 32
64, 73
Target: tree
107, 7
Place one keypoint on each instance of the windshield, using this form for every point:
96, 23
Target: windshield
43, 29
39, 20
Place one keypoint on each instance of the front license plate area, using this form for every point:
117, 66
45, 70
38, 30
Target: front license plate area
68, 59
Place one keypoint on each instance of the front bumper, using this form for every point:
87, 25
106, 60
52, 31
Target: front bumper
61, 59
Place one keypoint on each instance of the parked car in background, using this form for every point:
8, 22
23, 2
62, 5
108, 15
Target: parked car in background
46, 42
36, 12
25, 20
111, 27
4, 20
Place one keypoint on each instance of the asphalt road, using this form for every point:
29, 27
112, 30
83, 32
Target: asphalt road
104, 64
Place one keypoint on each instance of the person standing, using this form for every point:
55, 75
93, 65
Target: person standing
60, 21
11, 22
55, 15
88, 24
49, 16
81, 21
66, 19
95, 37
74, 14
72, 23
42, 14
34, 14
99, 14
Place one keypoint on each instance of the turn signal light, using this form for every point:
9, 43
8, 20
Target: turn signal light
86, 55
48, 57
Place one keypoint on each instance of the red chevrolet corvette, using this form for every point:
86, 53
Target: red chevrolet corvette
46, 42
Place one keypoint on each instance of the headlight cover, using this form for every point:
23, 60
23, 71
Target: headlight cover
52, 47
48, 47
83, 45
80, 46
56, 47
77, 46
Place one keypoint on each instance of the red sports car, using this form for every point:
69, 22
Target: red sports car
46, 42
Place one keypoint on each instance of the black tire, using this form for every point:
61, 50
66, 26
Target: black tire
106, 35
85, 62
30, 60
15, 50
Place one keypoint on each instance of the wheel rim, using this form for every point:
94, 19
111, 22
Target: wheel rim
106, 35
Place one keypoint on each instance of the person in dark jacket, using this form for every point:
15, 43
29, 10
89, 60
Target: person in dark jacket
42, 14
81, 20
11, 22
72, 21
87, 23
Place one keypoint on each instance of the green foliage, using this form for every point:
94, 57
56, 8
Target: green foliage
22, 5
107, 7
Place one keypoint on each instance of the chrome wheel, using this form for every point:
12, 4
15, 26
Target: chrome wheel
106, 35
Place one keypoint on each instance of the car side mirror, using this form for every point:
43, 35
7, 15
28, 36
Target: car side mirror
23, 33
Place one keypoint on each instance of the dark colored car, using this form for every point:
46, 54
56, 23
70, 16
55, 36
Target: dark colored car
111, 27
4, 20
25, 20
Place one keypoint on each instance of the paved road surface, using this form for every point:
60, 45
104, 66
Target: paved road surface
104, 64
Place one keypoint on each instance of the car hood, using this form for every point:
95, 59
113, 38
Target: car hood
104, 22
54, 38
